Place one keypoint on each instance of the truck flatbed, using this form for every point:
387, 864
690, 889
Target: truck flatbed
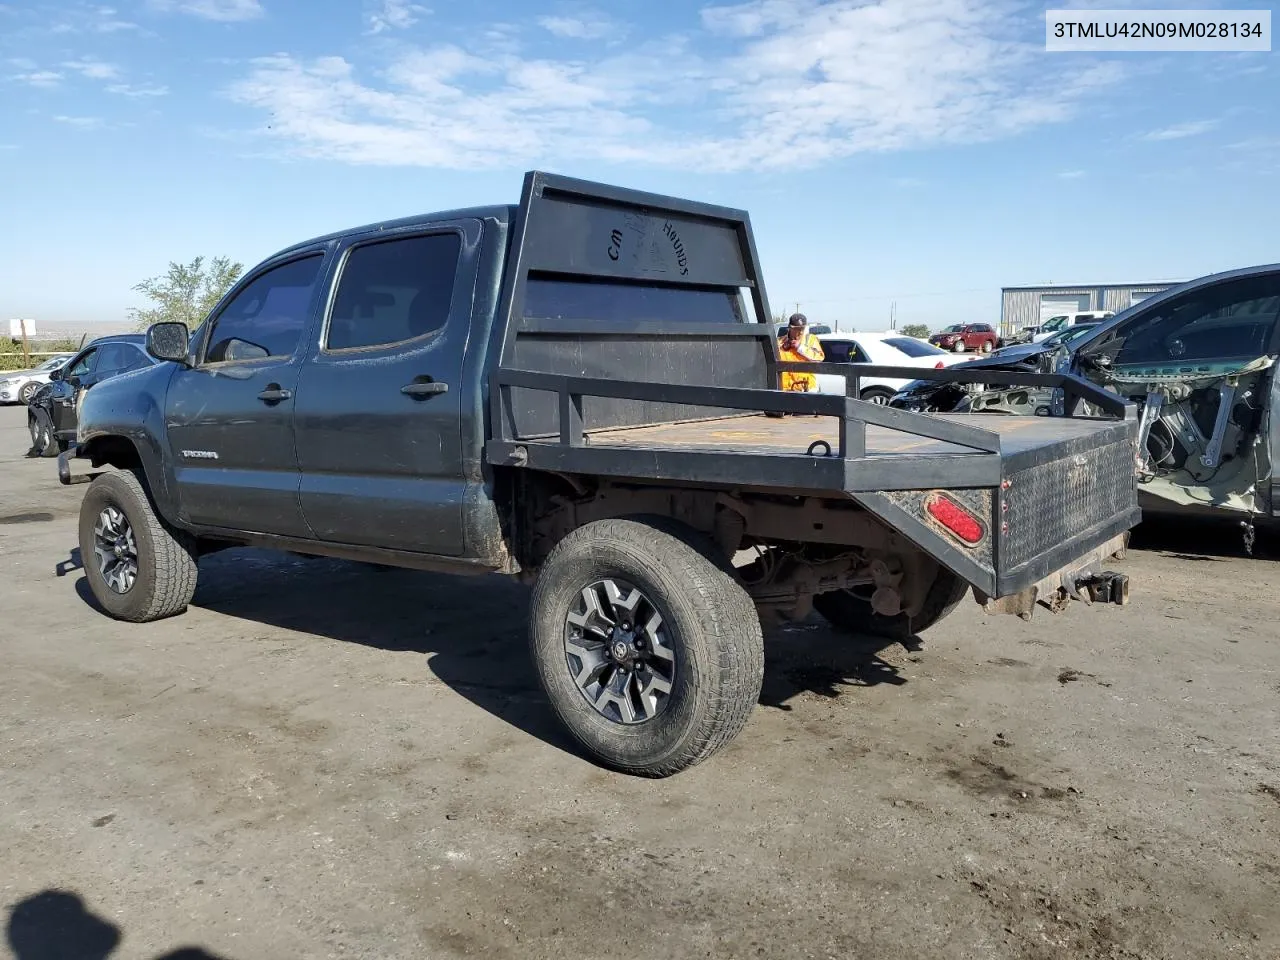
794, 436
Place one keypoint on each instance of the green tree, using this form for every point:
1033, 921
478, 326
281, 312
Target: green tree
915, 330
186, 292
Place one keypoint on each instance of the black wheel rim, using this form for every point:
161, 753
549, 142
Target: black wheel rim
115, 550
618, 651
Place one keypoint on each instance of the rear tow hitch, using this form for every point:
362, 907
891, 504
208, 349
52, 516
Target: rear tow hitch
1105, 587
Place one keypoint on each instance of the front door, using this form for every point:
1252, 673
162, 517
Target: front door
230, 417
77, 377
378, 409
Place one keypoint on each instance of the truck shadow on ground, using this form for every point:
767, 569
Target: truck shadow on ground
56, 925
473, 630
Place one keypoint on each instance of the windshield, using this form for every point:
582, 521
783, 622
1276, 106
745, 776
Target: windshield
1071, 333
914, 348
954, 328
51, 363
1053, 323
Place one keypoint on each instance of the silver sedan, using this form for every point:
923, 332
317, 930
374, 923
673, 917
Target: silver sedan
20, 385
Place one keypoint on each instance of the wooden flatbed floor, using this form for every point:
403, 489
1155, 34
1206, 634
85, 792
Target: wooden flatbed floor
792, 435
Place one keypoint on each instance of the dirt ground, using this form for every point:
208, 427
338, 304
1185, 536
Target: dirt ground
324, 760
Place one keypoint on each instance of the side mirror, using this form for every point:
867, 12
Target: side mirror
56, 373
168, 341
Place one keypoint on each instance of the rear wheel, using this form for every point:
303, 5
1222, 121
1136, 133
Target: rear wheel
649, 650
877, 395
849, 611
986, 346
138, 567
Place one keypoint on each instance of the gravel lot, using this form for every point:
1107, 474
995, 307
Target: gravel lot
325, 760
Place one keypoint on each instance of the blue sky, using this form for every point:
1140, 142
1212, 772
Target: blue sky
926, 152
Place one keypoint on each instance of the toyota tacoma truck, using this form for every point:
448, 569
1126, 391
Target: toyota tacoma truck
583, 390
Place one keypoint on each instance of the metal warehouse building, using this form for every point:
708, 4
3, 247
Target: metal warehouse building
1029, 306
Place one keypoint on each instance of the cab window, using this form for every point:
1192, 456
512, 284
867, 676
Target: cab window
267, 317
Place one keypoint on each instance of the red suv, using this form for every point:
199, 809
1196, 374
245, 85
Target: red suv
967, 337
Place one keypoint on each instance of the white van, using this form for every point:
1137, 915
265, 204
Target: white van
1065, 320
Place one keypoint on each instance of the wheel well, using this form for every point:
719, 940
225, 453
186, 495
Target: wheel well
118, 452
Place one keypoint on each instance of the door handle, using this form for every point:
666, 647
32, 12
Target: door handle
428, 389
273, 394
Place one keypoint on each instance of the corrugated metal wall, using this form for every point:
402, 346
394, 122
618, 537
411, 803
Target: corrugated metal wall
1020, 306
1120, 298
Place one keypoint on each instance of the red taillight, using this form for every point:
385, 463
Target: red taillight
955, 518
939, 365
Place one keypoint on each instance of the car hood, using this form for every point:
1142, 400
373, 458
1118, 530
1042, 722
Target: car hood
1016, 361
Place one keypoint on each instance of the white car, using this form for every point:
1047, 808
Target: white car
20, 385
888, 348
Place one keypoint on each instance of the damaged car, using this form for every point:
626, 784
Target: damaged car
1199, 360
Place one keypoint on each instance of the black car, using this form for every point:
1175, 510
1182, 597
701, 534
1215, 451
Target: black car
52, 411
1199, 360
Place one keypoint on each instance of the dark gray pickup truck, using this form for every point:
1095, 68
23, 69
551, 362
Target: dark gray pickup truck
583, 388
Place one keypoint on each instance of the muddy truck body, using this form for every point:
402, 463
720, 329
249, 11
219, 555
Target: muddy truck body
582, 389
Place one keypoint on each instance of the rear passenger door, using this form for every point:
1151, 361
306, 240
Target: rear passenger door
379, 403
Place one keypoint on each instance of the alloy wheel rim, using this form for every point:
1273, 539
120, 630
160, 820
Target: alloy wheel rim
116, 550
619, 653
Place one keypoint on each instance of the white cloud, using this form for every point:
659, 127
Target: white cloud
1071, 174
393, 15
81, 123
793, 83
93, 69
1180, 131
39, 78
592, 26
224, 10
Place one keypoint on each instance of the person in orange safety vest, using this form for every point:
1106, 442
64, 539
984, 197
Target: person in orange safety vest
798, 345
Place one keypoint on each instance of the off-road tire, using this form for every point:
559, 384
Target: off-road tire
847, 611
167, 567
713, 628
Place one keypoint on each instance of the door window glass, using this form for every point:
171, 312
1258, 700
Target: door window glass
1228, 321
267, 317
84, 364
393, 291
843, 351
116, 358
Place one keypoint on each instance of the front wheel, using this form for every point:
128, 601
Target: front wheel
876, 395
847, 610
138, 567
27, 392
959, 347
648, 649
43, 443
